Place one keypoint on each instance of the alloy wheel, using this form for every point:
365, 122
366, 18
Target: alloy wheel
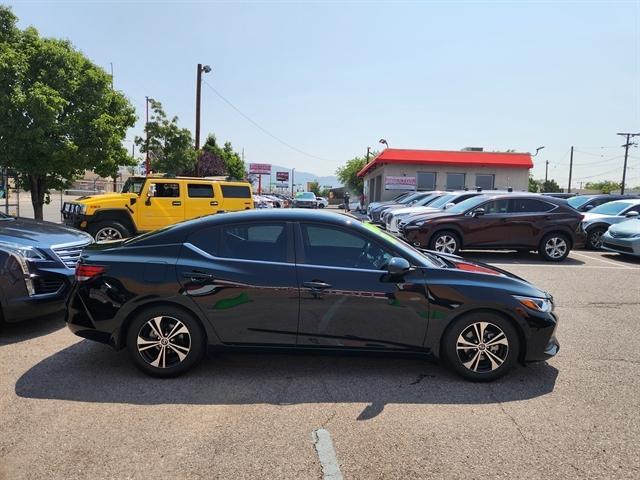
482, 347
556, 247
108, 233
164, 342
446, 244
595, 238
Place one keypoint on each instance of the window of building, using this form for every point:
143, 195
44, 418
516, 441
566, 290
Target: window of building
235, 191
257, 241
455, 181
330, 246
485, 181
426, 181
200, 190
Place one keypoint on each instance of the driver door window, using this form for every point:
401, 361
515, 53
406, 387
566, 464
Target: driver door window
335, 247
496, 206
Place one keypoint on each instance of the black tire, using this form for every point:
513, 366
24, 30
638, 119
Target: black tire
554, 247
108, 230
445, 241
489, 361
594, 238
190, 343
321, 205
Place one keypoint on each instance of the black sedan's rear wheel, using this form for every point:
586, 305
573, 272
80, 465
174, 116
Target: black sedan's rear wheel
165, 341
481, 346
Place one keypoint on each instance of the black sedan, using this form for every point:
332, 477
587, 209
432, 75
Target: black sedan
303, 279
37, 263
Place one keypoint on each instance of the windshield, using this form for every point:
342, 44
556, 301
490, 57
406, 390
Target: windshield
133, 185
4, 217
443, 200
409, 198
306, 195
467, 204
612, 208
577, 202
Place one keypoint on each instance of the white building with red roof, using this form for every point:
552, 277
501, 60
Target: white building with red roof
395, 170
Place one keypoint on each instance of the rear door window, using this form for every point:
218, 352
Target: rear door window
530, 205
200, 190
235, 191
257, 241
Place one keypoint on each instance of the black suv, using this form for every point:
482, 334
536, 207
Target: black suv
495, 222
37, 262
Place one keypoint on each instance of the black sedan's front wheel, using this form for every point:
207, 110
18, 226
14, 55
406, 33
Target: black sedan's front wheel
481, 346
165, 341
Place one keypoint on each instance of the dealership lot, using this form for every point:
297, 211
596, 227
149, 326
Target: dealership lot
70, 408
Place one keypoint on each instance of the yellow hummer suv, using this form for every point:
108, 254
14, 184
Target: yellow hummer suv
148, 203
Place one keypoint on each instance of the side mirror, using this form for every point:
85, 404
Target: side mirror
398, 266
632, 214
588, 207
449, 205
150, 193
478, 212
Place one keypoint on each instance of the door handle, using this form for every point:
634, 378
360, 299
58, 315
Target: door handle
198, 276
316, 285
176, 204
213, 204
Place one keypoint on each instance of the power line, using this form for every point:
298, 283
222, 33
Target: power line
262, 129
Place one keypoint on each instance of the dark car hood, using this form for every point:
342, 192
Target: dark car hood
484, 272
36, 233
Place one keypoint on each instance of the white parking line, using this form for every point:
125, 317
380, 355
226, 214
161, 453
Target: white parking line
327, 455
584, 255
537, 265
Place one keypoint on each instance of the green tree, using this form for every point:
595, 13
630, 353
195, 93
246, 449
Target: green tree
314, 187
59, 114
549, 186
231, 163
348, 174
170, 147
534, 186
605, 186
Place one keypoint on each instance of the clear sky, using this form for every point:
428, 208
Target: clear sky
331, 78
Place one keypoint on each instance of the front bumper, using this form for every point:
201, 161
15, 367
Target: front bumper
625, 245
75, 220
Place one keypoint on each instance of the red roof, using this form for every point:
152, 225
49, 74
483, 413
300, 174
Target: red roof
452, 158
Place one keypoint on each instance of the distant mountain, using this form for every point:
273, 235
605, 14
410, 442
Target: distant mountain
303, 177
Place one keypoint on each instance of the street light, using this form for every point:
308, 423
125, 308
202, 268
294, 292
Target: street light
205, 69
147, 163
537, 150
383, 142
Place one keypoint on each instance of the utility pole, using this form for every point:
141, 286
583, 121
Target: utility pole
626, 146
570, 170
546, 175
293, 171
368, 153
146, 142
205, 69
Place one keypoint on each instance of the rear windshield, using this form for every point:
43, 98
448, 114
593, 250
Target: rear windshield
235, 191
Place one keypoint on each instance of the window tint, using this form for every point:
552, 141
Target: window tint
336, 247
258, 241
167, 190
426, 181
200, 190
455, 181
496, 206
235, 191
530, 205
207, 240
485, 181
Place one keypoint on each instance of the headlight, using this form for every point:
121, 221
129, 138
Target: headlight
23, 255
536, 304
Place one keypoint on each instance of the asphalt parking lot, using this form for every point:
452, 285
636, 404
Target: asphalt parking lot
70, 408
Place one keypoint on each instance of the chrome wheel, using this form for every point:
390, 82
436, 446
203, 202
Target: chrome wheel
556, 247
108, 233
595, 238
164, 342
482, 347
446, 244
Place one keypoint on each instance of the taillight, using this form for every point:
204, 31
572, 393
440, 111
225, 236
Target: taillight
87, 272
